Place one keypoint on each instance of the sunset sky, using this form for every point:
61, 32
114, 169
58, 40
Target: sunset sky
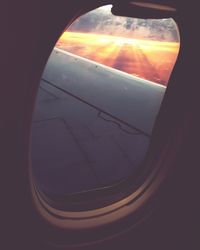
145, 48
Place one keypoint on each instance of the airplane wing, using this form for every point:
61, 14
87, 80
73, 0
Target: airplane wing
132, 100
91, 124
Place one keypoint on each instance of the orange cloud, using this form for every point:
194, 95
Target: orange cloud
151, 60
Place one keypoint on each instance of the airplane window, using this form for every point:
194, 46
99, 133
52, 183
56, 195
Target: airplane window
98, 99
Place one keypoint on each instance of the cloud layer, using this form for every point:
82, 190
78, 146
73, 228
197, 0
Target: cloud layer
102, 21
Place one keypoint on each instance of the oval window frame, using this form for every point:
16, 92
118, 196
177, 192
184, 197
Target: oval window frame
99, 218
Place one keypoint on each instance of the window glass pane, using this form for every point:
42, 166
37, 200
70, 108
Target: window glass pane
98, 99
